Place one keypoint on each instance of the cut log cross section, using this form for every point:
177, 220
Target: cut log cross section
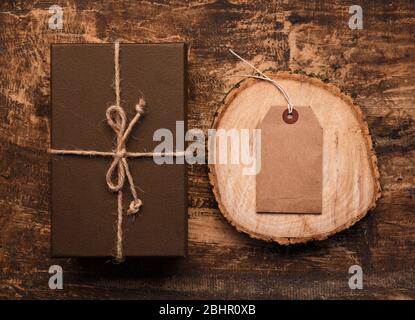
350, 174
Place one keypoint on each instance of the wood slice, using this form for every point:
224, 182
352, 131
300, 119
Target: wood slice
350, 174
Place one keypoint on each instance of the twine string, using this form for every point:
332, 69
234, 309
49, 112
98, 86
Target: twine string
262, 76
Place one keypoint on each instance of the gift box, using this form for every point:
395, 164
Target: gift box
86, 219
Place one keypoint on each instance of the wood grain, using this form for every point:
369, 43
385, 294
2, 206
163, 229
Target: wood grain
374, 66
350, 173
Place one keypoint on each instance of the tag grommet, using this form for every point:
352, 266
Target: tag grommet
290, 118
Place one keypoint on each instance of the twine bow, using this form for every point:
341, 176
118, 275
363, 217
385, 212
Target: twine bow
117, 120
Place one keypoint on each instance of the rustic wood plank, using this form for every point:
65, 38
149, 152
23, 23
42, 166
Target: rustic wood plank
373, 65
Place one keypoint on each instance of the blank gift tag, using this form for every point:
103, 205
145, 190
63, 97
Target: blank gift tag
290, 179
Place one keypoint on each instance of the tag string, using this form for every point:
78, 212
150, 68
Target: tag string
262, 76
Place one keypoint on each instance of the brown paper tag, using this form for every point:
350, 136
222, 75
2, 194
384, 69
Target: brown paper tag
290, 179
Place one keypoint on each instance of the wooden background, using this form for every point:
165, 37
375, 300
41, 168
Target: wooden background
374, 65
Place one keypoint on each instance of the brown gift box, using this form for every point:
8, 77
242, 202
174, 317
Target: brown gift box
84, 210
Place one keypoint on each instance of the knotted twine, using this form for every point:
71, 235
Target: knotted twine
119, 169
